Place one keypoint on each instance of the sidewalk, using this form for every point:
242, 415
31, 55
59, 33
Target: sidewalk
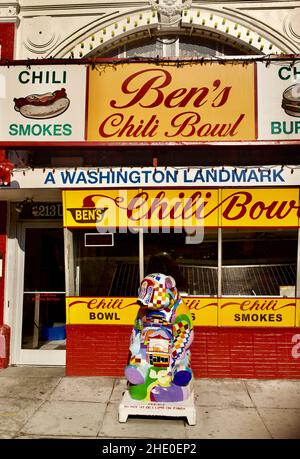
40, 402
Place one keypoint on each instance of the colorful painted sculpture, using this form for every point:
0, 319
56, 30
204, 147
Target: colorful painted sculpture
159, 364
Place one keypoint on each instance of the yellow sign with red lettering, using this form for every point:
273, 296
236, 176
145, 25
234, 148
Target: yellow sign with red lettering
298, 313
257, 312
123, 311
143, 102
140, 208
183, 208
205, 311
260, 207
103, 310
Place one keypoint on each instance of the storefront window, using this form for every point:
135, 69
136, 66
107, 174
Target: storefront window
173, 46
44, 311
259, 262
193, 264
111, 270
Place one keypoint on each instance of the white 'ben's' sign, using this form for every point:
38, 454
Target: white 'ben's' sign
42, 103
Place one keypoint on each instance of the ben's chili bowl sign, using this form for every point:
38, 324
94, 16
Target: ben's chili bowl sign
94, 310
146, 102
205, 311
187, 208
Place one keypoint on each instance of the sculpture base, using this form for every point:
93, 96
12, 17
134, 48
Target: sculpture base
129, 406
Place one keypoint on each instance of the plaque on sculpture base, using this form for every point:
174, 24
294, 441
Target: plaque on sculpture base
185, 408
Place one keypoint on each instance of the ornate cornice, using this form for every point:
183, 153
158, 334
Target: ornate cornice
9, 10
170, 7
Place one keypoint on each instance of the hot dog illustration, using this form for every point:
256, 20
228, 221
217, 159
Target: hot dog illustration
41, 106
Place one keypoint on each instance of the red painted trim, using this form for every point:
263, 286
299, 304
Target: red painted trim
203, 144
7, 39
3, 217
5, 331
103, 60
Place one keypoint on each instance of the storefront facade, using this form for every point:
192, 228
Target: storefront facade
124, 166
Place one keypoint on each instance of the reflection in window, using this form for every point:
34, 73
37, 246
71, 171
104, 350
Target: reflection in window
107, 271
173, 46
259, 262
149, 48
193, 265
195, 47
44, 288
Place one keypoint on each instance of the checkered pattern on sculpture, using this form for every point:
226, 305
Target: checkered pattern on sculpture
181, 333
159, 297
156, 293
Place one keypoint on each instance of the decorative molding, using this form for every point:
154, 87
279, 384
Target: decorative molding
115, 32
231, 30
170, 7
291, 25
8, 12
170, 11
41, 36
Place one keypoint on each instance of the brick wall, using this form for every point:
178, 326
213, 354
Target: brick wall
245, 353
3, 211
216, 352
95, 350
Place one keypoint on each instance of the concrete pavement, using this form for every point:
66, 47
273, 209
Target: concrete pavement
40, 402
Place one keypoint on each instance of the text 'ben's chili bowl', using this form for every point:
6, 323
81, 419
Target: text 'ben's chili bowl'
172, 104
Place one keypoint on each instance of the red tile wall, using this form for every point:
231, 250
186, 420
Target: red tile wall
216, 352
97, 350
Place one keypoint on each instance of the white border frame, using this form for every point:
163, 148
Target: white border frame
13, 312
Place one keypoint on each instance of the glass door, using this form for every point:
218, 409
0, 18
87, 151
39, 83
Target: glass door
42, 317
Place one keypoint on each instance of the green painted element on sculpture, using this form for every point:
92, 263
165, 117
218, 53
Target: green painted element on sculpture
140, 391
184, 318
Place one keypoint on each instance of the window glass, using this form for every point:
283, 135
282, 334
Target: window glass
190, 260
147, 48
259, 262
107, 271
174, 46
44, 309
201, 46
192, 48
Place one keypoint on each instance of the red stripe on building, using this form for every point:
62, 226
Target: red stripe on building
7, 38
3, 212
